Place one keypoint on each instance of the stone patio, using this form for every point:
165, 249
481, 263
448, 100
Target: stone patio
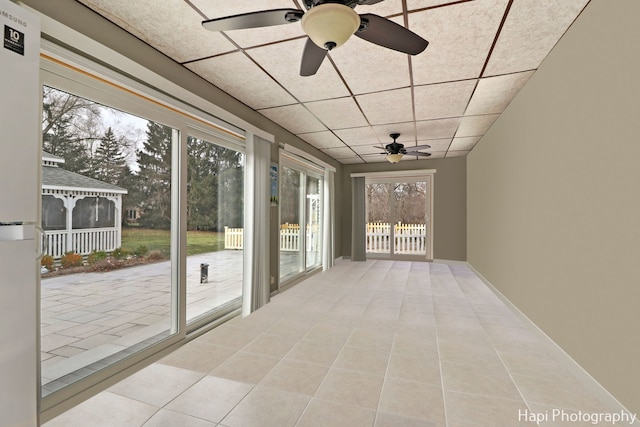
90, 320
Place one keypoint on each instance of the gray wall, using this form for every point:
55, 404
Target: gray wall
450, 204
554, 197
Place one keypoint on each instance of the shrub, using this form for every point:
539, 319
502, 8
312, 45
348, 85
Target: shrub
96, 256
71, 259
141, 250
120, 253
47, 261
155, 256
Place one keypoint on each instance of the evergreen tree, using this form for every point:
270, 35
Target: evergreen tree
154, 177
214, 186
108, 161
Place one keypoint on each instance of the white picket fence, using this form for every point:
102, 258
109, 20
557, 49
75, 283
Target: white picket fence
409, 238
289, 238
81, 241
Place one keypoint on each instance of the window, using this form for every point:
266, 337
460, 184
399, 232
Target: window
109, 292
301, 227
115, 167
215, 220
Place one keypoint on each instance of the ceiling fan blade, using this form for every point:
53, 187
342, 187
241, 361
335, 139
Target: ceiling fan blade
418, 147
265, 18
312, 57
417, 153
386, 33
369, 2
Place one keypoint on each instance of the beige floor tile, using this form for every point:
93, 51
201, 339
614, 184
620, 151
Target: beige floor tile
470, 410
269, 346
469, 353
388, 420
229, 335
413, 400
313, 352
329, 332
245, 367
415, 347
363, 360
352, 347
296, 377
324, 413
267, 407
406, 367
165, 418
210, 399
372, 340
565, 394
198, 356
157, 384
354, 388
478, 380
105, 410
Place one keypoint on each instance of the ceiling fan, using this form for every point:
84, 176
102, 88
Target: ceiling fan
328, 24
396, 150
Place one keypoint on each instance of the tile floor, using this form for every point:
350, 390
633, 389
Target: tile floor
376, 344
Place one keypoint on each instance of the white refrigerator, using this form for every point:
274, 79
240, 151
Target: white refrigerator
19, 194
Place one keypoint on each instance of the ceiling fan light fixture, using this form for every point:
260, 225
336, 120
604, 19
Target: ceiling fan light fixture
330, 25
394, 158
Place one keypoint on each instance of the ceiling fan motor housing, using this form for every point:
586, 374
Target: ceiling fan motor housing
330, 25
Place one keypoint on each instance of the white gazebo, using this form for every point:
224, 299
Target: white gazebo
79, 213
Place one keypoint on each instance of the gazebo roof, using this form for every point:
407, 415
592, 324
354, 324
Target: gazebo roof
57, 178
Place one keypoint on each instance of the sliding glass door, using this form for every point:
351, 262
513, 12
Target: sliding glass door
300, 220
108, 285
215, 215
397, 218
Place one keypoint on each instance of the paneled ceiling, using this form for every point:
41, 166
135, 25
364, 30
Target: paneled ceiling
480, 54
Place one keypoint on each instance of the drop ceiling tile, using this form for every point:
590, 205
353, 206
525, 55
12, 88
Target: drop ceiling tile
358, 136
219, 8
367, 67
265, 35
457, 153
464, 144
384, 8
239, 76
376, 159
437, 129
180, 34
530, 31
438, 154
493, 94
475, 125
436, 144
443, 100
421, 4
282, 62
406, 130
459, 36
392, 106
367, 149
350, 160
295, 118
322, 140
337, 113
339, 153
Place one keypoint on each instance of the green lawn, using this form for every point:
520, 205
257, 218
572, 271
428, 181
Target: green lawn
198, 242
